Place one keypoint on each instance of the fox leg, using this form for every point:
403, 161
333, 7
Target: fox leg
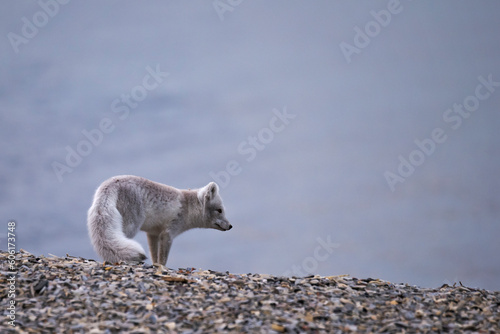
164, 244
153, 247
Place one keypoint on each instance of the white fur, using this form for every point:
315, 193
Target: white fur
123, 205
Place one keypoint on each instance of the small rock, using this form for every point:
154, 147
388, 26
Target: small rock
278, 328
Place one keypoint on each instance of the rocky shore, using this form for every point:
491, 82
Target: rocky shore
76, 295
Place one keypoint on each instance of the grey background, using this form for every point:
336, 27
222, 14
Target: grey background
322, 176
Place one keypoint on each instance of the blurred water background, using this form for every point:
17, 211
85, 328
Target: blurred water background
306, 193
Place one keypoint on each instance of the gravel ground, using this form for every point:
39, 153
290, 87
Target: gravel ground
76, 295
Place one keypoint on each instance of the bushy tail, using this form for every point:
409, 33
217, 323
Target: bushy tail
104, 222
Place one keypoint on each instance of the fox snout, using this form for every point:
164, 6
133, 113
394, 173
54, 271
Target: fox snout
223, 225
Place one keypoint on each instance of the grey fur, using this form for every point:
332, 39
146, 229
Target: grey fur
125, 204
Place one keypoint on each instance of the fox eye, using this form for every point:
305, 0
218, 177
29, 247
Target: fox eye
219, 210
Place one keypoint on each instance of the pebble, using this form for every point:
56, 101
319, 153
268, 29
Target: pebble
76, 295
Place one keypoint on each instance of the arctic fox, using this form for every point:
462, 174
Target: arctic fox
125, 204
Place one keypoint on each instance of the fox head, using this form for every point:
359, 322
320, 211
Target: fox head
213, 211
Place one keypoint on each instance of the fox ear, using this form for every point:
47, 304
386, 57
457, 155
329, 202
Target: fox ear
208, 192
212, 190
